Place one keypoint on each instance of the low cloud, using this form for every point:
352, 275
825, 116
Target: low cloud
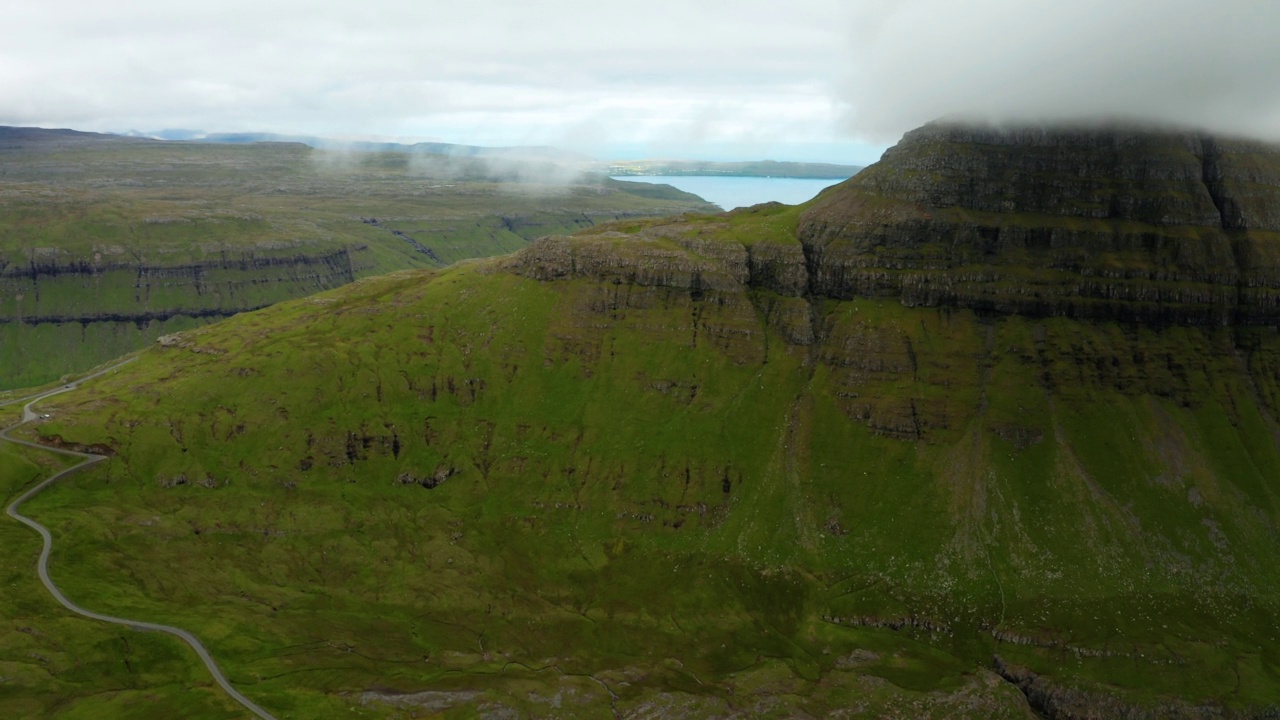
1214, 65
537, 171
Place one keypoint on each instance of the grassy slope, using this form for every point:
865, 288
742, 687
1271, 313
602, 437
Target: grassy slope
55, 664
657, 495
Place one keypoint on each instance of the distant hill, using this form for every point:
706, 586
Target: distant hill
107, 242
34, 138
761, 168
535, 152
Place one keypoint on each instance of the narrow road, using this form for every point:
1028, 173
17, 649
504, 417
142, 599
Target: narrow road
42, 567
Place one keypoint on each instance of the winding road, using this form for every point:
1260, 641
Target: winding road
42, 567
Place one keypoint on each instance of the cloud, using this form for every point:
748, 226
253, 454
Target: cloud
1188, 62
485, 71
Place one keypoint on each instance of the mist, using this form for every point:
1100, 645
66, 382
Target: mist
514, 170
1212, 65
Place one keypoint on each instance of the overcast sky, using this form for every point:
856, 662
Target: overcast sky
832, 80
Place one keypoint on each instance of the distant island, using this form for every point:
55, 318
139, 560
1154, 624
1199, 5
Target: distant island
761, 168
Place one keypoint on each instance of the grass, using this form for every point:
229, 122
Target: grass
55, 664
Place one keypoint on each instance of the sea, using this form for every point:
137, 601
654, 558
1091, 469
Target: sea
735, 192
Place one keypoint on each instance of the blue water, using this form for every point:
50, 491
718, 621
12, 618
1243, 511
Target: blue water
733, 192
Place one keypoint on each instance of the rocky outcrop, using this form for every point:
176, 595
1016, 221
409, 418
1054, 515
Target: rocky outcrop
59, 313
326, 263
781, 268
695, 265
52, 289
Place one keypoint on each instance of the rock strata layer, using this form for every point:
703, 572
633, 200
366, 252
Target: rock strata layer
86, 309
1138, 225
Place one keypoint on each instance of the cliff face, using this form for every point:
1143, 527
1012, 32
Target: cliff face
62, 314
1153, 226
85, 290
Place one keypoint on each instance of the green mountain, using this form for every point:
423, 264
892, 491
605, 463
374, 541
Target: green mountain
988, 430
108, 242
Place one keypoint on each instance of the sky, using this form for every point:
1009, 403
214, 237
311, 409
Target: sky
818, 80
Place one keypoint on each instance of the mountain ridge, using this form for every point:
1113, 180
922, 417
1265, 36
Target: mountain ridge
1136, 230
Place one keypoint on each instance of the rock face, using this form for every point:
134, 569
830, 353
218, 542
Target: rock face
1129, 224
59, 315
620, 258
45, 290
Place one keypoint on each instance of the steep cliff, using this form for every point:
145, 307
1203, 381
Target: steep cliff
1158, 226
61, 314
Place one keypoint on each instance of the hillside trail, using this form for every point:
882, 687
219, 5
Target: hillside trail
42, 567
